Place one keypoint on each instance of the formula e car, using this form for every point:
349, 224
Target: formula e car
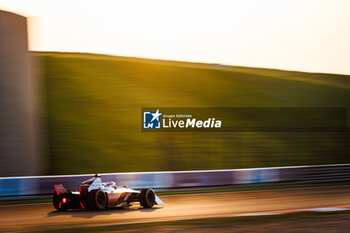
93, 194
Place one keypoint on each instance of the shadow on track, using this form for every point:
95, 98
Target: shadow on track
83, 213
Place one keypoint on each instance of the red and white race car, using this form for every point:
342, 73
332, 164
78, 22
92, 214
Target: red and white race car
93, 194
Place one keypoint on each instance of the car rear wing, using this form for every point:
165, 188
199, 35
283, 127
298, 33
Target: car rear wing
60, 189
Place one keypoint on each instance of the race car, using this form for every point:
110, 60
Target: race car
93, 194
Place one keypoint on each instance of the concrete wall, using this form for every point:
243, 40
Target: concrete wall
19, 153
43, 185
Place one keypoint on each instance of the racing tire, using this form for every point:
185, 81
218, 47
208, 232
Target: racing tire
97, 200
56, 202
147, 198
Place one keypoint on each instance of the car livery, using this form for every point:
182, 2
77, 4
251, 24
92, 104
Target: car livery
93, 194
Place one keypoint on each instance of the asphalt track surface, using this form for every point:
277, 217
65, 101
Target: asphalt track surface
41, 216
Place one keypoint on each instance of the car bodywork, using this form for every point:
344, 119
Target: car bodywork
95, 194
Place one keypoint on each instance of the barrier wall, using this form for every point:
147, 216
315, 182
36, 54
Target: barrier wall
41, 185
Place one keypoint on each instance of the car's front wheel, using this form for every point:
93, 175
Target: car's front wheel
147, 198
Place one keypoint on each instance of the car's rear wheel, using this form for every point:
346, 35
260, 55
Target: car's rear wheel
97, 200
147, 198
57, 203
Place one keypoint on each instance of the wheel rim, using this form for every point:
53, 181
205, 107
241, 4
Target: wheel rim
150, 197
100, 199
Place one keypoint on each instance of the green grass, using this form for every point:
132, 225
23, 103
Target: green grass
94, 112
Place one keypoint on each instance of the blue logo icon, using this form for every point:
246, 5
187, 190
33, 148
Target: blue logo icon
151, 120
